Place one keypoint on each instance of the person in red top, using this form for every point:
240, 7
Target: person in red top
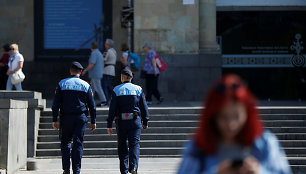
3, 65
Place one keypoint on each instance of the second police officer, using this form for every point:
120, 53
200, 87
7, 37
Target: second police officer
73, 97
129, 109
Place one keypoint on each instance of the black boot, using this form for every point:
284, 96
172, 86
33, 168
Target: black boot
66, 172
133, 171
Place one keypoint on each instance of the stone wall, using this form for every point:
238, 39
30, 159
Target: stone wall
168, 24
17, 25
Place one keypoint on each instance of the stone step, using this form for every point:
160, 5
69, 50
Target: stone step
105, 137
282, 110
298, 169
112, 151
180, 130
287, 129
161, 110
194, 123
295, 151
151, 143
48, 119
113, 144
150, 130
284, 123
176, 123
297, 161
293, 143
283, 116
291, 152
291, 136
21, 94
197, 110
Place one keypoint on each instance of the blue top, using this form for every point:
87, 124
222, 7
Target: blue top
73, 96
266, 150
96, 58
128, 98
148, 66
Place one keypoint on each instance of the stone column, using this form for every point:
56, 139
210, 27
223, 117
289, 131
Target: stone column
13, 134
207, 26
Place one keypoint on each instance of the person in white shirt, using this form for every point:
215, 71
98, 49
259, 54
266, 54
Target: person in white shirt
109, 69
15, 64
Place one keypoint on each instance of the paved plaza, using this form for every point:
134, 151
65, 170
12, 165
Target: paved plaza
107, 166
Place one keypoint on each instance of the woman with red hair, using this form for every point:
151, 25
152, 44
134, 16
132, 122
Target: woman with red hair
230, 138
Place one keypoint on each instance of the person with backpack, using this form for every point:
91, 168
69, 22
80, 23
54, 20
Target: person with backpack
129, 58
151, 74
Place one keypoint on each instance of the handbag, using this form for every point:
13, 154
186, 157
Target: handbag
161, 65
17, 77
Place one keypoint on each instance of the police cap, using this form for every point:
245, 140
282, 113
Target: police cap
76, 65
127, 71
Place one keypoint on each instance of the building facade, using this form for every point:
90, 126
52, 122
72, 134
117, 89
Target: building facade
199, 40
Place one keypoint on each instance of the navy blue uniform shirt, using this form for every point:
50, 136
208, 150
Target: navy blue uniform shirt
128, 98
74, 96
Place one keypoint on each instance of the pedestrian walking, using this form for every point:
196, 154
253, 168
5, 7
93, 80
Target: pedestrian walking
124, 60
151, 74
129, 109
95, 72
109, 68
73, 98
15, 64
230, 138
3, 65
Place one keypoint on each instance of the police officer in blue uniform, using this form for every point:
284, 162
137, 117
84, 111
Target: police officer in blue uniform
73, 98
128, 106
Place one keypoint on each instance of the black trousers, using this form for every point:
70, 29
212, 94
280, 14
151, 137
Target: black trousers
152, 87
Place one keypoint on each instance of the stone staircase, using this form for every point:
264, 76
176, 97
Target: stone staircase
170, 128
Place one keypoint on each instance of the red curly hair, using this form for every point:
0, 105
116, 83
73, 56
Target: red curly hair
229, 88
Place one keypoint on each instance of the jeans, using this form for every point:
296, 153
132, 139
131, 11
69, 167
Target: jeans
152, 87
107, 86
96, 87
9, 85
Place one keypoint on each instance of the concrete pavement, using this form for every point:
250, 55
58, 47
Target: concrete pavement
107, 166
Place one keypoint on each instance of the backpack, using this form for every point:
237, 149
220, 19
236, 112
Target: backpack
161, 65
134, 61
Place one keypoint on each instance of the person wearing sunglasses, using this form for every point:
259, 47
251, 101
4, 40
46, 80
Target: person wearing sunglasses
15, 64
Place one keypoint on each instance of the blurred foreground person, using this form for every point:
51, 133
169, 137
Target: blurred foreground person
230, 138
